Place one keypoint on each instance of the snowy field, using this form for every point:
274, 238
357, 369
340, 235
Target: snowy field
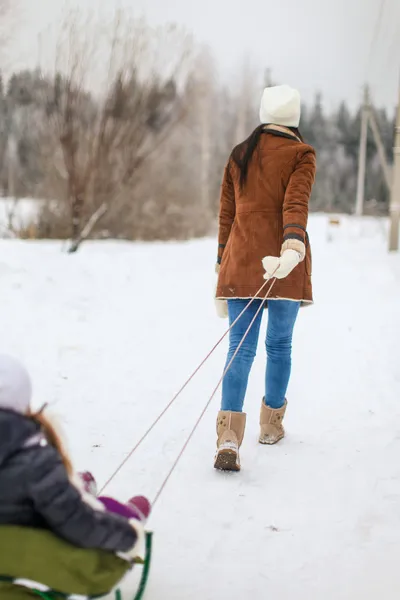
16, 213
111, 333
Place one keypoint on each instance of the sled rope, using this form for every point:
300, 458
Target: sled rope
184, 386
149, 535
211, 398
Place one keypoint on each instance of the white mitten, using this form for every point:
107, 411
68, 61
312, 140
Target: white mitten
222, 308
139, 547
280, 267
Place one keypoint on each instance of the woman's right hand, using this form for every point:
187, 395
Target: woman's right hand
280, 267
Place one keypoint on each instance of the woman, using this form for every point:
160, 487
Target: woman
262, 234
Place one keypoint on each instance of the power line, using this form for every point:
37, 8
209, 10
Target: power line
385, 40
393, 52
375, 36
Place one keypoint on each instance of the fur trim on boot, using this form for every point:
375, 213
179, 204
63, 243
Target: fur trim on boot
271, 428
230, 431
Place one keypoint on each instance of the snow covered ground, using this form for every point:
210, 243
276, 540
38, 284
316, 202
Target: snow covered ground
111, 333
16, 212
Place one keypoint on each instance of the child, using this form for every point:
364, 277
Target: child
38, 489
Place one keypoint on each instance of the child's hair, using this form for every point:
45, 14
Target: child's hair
52, 436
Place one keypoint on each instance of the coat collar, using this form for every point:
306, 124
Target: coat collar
281, 131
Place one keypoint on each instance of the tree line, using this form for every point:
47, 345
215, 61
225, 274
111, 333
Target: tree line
140, 154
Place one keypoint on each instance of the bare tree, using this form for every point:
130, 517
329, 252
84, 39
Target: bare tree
247, 98
106, 141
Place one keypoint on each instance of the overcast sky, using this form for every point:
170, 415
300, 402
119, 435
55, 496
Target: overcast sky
311, 44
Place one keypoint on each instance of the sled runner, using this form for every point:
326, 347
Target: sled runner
86, 574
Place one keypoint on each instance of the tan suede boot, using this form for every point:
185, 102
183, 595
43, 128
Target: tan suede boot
230, 430
271, 424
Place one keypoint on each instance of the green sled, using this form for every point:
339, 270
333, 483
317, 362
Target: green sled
55, 570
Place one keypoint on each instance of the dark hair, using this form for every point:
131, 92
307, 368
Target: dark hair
243, 153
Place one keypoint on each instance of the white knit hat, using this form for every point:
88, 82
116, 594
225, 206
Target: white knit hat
280, 105
15, 385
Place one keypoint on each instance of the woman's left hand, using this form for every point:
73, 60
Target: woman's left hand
280, 267
221, 306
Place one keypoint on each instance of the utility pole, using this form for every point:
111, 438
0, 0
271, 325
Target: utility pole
395, 195
362, 156
380, 147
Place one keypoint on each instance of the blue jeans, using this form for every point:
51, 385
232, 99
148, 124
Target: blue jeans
282, 315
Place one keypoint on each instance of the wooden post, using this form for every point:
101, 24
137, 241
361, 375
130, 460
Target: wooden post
395, 195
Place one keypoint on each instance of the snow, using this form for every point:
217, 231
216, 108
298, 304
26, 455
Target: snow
112, 332
19, 212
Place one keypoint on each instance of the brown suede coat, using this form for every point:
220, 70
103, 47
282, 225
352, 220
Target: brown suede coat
270, 211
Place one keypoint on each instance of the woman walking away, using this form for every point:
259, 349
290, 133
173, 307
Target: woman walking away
263, 234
